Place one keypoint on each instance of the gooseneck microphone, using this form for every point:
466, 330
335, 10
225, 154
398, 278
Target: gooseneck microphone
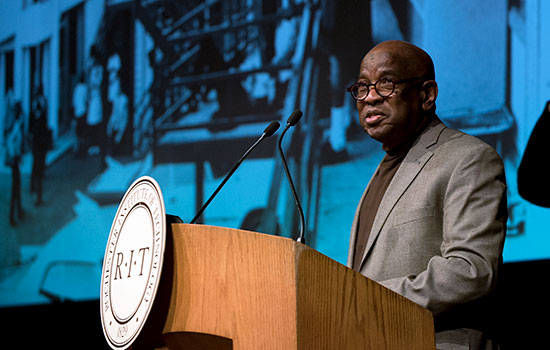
292, 120
269, 130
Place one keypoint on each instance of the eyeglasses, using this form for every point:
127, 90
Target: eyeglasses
384, 87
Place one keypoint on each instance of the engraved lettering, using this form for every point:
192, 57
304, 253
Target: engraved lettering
130, 265
142, 250
119, 259
122, 331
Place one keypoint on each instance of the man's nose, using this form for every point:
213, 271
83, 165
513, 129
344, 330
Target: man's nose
372, 96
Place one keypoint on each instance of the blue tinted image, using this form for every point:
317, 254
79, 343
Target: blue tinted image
96, 93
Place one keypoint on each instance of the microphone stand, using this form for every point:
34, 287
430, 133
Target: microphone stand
271, 128
301, 238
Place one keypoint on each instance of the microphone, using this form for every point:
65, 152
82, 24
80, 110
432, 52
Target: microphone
268, 131
292, 120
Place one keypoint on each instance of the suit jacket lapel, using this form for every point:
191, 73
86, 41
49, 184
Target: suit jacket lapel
413, 163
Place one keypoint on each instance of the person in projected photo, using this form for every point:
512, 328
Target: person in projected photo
118, 121
532, 178
14, 152
41, 141
94, 119
80, 106
432, 221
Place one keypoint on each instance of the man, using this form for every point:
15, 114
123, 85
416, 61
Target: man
80, 105
118, 121
14, 147
42, 141
432, 221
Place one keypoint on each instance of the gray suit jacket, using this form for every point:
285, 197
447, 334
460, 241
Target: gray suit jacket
438, 235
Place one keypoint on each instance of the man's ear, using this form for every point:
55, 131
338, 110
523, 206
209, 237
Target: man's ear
429, 94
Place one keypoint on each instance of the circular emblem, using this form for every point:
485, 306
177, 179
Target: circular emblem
133, 262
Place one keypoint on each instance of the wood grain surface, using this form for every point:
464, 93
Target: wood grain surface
236, 289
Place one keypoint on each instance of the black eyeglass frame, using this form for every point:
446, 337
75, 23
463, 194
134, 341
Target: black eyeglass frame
400, 81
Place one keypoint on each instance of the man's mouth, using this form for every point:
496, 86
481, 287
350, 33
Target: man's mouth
373, 117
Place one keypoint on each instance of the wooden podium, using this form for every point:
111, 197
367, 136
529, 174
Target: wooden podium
236, 289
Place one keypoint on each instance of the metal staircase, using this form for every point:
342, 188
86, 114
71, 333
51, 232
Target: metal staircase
206, 53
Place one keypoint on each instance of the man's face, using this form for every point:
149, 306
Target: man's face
394, 119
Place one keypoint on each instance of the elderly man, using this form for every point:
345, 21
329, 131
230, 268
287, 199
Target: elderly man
432, 220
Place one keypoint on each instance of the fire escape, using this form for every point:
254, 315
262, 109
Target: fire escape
206, 52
